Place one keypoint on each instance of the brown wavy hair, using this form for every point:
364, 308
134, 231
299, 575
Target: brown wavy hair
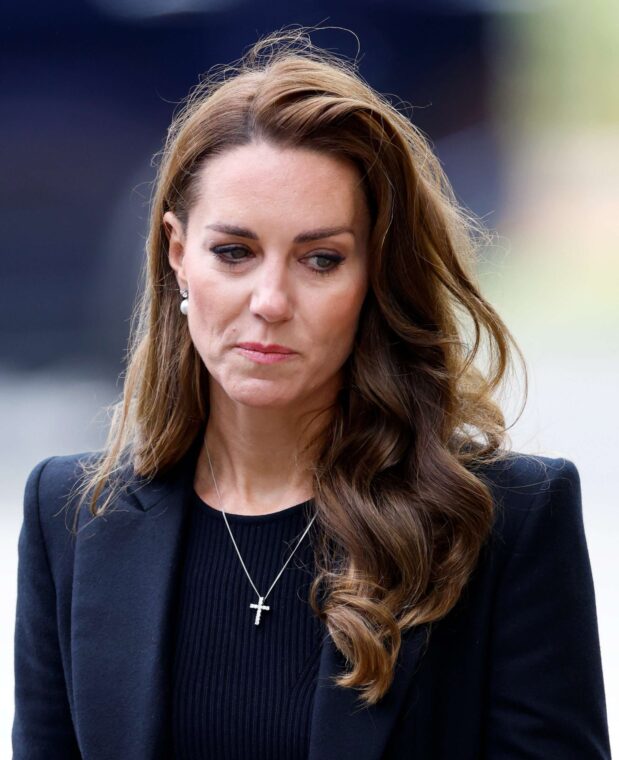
401, 515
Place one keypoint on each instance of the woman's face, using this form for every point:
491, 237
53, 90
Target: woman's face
275, 252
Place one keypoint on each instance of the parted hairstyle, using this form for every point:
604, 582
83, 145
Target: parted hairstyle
402, 516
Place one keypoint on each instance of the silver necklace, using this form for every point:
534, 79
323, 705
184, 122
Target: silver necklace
260, 607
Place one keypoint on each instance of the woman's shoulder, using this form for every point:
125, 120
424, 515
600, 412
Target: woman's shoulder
56, 476
534, 495
518, 479
51, 490
55, 491
518, 469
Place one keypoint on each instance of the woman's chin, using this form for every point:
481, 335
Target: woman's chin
261, 397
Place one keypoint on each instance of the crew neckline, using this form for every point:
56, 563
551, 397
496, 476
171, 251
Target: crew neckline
210, 511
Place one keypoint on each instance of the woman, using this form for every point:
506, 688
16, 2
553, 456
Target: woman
306, 536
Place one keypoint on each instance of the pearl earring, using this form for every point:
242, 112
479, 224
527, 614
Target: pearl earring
185, 301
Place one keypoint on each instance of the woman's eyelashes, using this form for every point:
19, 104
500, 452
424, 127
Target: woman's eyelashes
232, 255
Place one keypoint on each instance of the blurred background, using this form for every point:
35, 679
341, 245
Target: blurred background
520, 101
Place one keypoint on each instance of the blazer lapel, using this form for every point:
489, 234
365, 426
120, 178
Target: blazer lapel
342, 727
123, 591
125, 576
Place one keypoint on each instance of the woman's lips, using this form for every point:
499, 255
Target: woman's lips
267, 348
265, 357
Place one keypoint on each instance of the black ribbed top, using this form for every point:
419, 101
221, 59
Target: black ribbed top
242, 690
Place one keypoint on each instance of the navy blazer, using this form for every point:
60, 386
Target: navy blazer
512, 672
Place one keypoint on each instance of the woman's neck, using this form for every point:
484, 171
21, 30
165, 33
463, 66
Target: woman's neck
260, 459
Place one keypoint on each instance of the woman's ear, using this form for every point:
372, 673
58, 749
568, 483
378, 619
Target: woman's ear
176, 246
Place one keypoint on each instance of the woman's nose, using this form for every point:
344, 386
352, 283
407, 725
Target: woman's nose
271, 297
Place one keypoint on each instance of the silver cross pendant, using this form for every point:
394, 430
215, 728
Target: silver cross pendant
259, 607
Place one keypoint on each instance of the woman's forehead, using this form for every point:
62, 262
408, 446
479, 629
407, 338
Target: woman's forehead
296, 183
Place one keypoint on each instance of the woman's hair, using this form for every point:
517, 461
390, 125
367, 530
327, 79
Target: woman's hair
401, 515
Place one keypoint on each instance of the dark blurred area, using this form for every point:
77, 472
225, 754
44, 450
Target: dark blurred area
88, 91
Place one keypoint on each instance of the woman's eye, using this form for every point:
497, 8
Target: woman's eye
229, 254
325, 262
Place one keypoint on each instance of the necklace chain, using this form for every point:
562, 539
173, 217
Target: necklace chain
258, 607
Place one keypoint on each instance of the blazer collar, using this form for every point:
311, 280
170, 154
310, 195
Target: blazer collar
125, 578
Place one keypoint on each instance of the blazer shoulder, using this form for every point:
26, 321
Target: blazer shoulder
50, 493
55, 477
532, 488
545, 652
49, 512
516, 470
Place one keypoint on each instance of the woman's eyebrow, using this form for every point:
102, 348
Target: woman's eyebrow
303, 237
